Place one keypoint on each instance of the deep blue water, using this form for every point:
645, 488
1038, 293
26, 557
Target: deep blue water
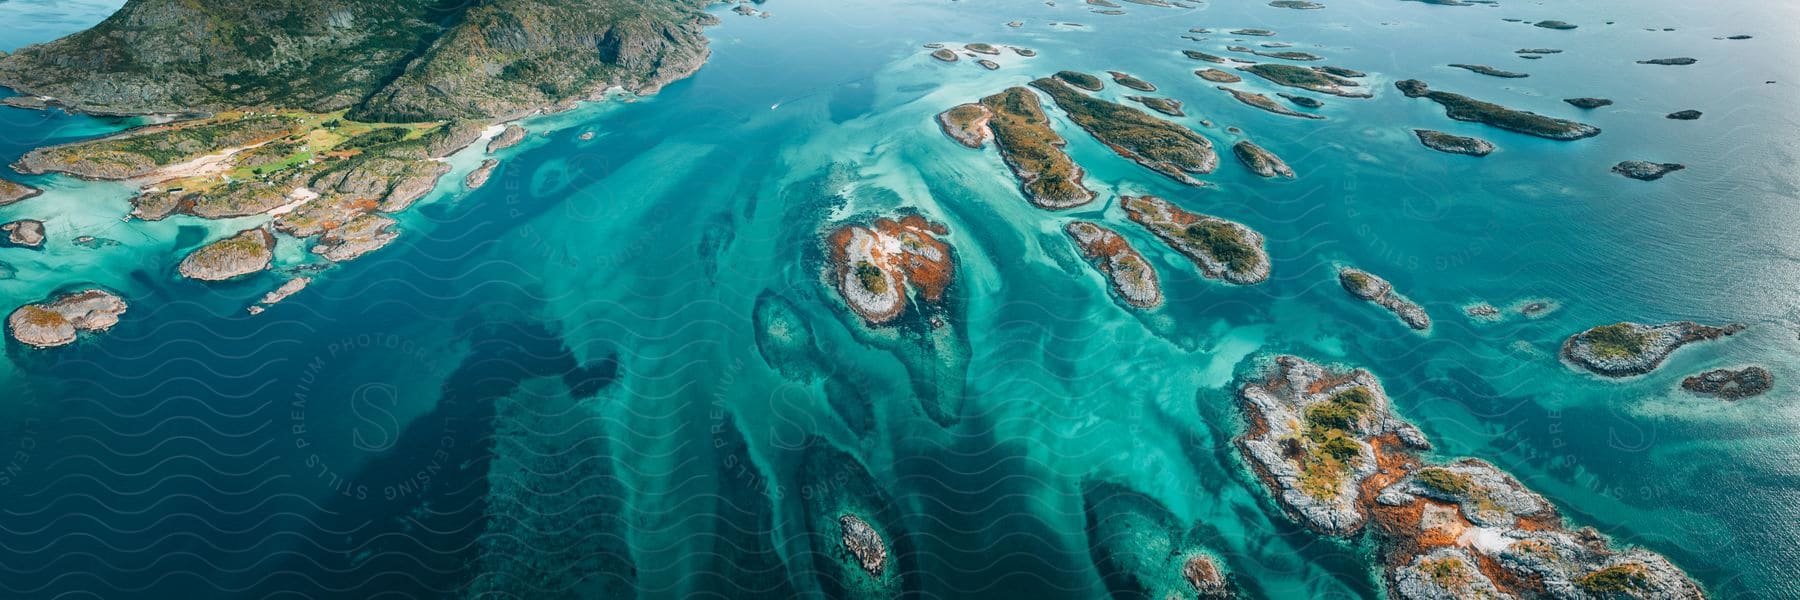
567, 361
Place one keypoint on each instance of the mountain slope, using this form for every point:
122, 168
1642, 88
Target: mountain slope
390, 59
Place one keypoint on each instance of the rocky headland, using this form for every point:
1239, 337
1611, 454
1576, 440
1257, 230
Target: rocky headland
508, 137
246, 252
1371, 288
1261, 161
479, 177
1021, 131
12, 192
1222, 249
1156, 144
1331, 450
1626, 349
58, 321
1080, 80
1731, 384
361, 235
1454, 144
873, 266
1132, 277
1643, 170
967, 124
1464, 108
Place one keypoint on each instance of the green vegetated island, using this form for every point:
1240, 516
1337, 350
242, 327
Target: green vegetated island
326, 117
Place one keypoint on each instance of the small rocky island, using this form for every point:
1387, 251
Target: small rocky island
1731, 384
23, 233
479, 177
1267, 104
865, 544
1131, 276
1683, 115
1454, 144
1167, 106
1156, 144
1217, 76
249, 251
1021, 130
1588, 102
1198, 55
1375, 290
1678, 61
1464, 108
1643, 170
873, 266
1491, 71
57, 322
1626, 349
1261, 161
1222, 249
1126, 80
508, 137
1323, 80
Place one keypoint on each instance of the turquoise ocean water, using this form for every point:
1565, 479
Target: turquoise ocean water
616, 367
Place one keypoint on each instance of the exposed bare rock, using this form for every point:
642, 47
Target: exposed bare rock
508, 137
246, 252
361, 235
1132, 277
24, 233
57, 322
865, 544
1731, 384
479, 176
1367, 286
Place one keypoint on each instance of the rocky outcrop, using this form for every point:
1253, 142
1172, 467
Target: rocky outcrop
1301, 101
864, 543
24, 233
1261, 161
1587, 102
944, 54
1034, 152
1198, 55
1158, 145
1167, 106
1126, 80
1222, 249
1464, 108
1317, 436
507, 138
1327, 445
12, 192
247, 252
1626, 349
1218, 76
876, 267
1554, 24
1453, 144
1643, 170
1368, 287
288, 288
1142, 550
1678, 61
360, 235
1684, 115
479, 177
1313, 79
59, 321
1491, 71
1132, 277
1080, 80
1265, 103
1731, 384
967, 124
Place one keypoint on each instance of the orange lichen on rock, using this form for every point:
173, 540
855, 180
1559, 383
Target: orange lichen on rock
874, 265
